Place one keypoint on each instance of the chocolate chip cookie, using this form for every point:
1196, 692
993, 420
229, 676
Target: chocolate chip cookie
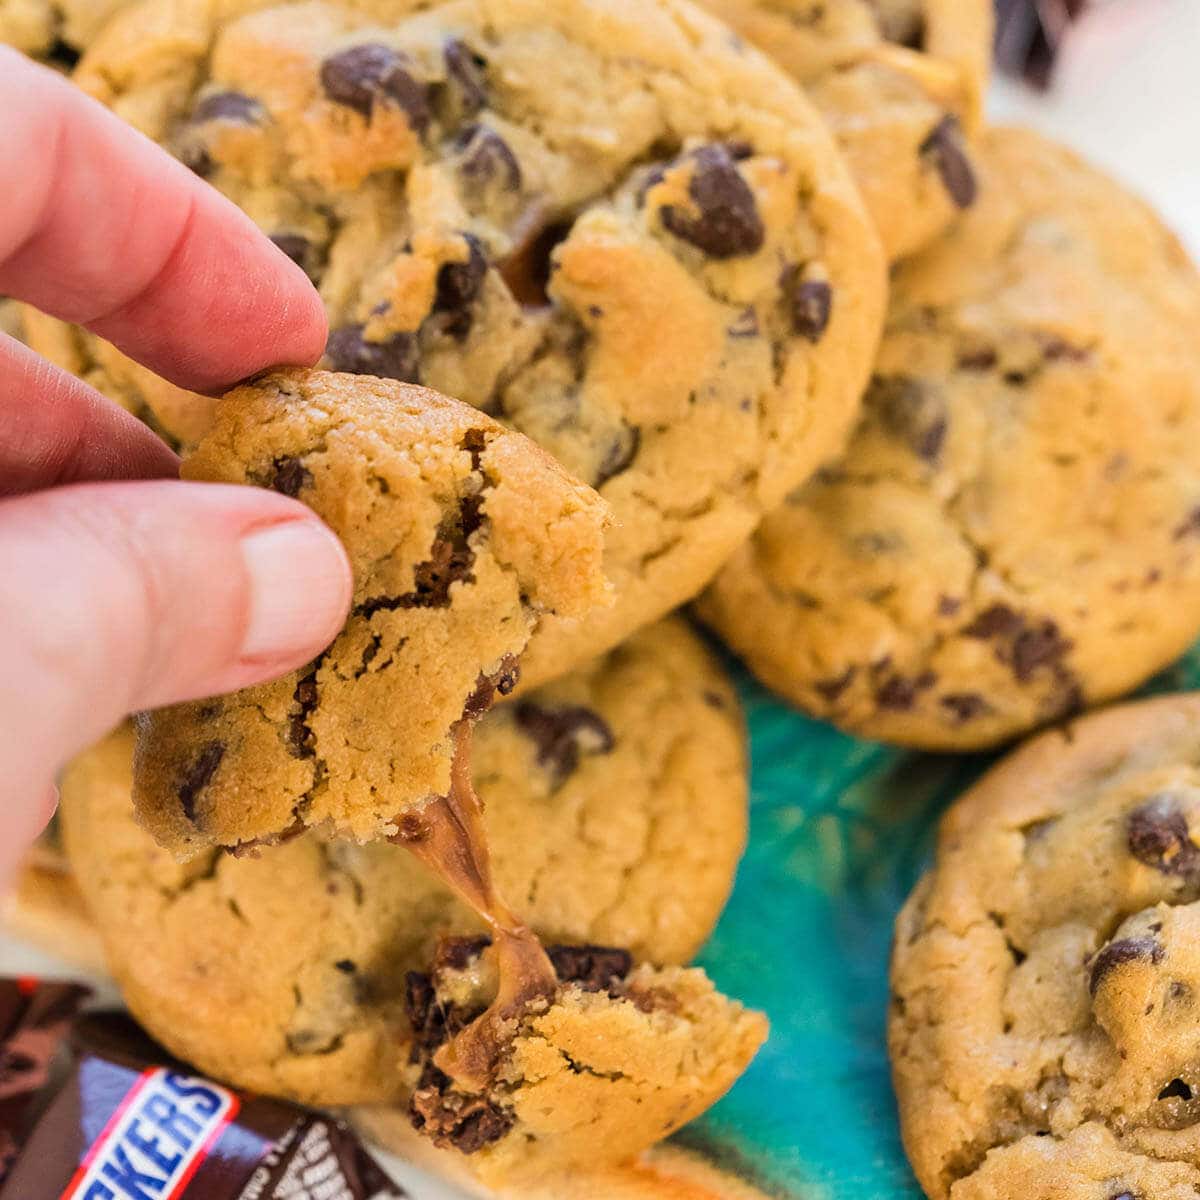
609, 225
621, 1057
1046, 972
460, 534
1014, 531
615, 803
900, 83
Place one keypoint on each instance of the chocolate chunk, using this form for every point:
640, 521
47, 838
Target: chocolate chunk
997, 621
1177, 1089
458, 953
593, 968
300, 737
526, 270
912, 411
503, 681
63, 55
620, 454
900, 694
290, 476
1127, 950
944, 147
368, 74
962, 707
465, 71
831, 689
1037, 646
346, 966
308, 257
451, 1118
487, 160
1189, 526
227, 106
1158, 836
199, 775
396, 358
426, 1017
728, 224
809, 302
458, 285
563, 734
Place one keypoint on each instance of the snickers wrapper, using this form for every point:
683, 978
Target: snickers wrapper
127, 1122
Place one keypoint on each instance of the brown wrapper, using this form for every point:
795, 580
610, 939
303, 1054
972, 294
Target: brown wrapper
130, 1123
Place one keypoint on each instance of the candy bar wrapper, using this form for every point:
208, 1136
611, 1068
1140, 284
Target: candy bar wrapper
129, 1123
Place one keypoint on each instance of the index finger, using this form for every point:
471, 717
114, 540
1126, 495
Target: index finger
103, 228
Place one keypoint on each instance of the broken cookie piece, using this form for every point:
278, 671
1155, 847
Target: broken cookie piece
460, 535
619, 1057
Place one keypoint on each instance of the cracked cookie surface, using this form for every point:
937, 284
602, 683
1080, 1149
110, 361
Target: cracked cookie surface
1046, 972
615, 806
1014, 530
460, 534
618, 1059
900, 83
602, 222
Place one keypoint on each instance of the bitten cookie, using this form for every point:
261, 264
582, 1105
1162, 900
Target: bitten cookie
618, 1059
1014, 531
1046, 972
611, 226
615, 805
900, 83
460, 534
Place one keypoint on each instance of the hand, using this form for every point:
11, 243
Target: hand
118, 595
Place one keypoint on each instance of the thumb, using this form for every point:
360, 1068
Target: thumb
120, 596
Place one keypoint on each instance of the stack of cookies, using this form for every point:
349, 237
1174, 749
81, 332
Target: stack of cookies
634, 306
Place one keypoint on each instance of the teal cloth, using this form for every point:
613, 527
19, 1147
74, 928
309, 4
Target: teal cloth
841, 829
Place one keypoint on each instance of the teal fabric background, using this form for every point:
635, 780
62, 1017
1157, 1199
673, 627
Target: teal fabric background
840, 831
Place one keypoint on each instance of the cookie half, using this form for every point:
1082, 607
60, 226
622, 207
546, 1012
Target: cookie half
460, 535
615, 805
610, 225
1014, 531
1046, 972
901, 85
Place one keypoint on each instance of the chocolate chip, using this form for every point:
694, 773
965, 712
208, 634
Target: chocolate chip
63, 55
982, 359
504, 680
451, 1118
368, 74
619, 455
227, 106
290, 476
526, 270
305, 697
964, 706
809, 302
425, 1015
563, 734
1037, 646
1056, 349
1177, 1089
1157, 835
997, 621
347, 966
900, 694
945, 149
593, 968
1189, 526
198, 776
458, 285
458, 953
912, 411
396, 358
948, 605
728, 224
465, 71
487, 160
831, 689
302, 252
1127, 950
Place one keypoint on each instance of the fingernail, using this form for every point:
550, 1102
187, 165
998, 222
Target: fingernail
300, 588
